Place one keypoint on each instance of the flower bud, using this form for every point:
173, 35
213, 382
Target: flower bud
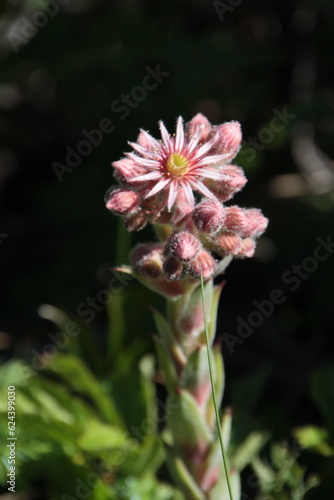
203, 264
256, 223
145, 140
141, 251
208, 216
235, 219
247, 248
229, 138
122, 201
127, 170
136, 220
184, 245
236, 177
198, 126
148, 260
229, 244
173, 268
233, 181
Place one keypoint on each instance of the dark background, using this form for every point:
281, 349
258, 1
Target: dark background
247, 62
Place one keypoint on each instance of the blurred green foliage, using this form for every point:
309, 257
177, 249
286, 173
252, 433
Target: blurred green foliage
61, 242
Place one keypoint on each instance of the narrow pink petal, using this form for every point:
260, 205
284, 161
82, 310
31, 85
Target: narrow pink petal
209, 174
188, 193
193, 142
143, 161
141, 150
164, 134
172, 194
213, 159
148, 177
150, 140
205, 148
199, 186
158, 187
179, 138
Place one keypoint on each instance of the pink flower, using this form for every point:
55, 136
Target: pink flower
175, 166
161, 182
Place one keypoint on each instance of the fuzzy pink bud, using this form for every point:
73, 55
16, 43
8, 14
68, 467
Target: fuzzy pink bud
148, 260
141, 251
229, 244
247, 248
199, 126
228, 138
145, 140
203, 264
122, 201
136, 220
256, 223
233, 181
236, 177
126, 171
208, 216
184, 245
173, 268
235, 219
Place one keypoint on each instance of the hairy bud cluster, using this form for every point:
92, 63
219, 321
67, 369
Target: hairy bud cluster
182, 183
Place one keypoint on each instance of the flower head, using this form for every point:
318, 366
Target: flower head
181, 183
176, 166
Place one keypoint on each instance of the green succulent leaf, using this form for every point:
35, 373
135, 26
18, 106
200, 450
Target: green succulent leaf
79, 377
182, 476
168, 338
186, 422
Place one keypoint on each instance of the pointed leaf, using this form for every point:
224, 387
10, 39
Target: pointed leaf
79, 377
220, 490
99, 436
186, 314
190, 432
195, 376
166, 364
247, 451
182, 476
168, 339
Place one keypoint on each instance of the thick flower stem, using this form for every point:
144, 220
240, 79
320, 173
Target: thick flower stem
214, 397
192, 439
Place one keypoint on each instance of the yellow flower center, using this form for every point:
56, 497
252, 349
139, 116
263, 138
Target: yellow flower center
177, 164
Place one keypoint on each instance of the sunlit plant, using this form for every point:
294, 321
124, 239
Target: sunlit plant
180, 184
